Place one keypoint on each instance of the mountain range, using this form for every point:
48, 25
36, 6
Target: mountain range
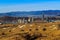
33, 13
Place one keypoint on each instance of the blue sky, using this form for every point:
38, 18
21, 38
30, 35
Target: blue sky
28, 5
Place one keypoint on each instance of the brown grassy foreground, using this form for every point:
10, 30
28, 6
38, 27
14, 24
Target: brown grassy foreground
30, 31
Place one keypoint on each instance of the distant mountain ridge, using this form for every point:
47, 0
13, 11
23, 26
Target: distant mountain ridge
18, 13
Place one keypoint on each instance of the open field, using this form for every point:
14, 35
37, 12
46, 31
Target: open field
30, 31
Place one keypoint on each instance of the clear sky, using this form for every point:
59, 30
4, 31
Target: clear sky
28, 5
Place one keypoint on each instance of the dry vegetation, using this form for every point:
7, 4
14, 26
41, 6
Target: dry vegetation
30, 31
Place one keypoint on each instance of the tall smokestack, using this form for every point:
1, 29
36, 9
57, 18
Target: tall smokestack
32, 19
43, 16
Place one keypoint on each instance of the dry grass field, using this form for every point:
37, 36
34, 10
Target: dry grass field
30, 31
